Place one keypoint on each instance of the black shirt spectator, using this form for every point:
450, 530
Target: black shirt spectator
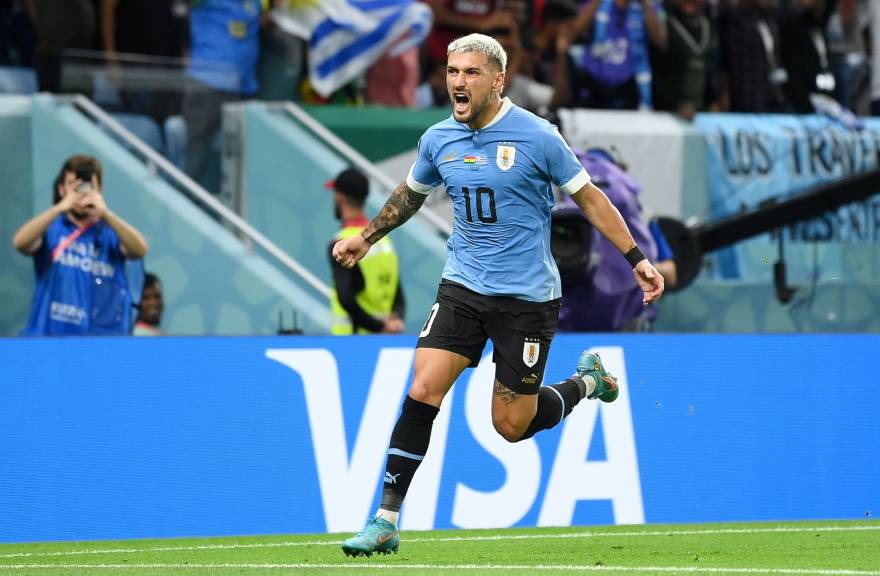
686, 73
149, 27
751, 58
17, 38
155, 29
805, 52
60, 25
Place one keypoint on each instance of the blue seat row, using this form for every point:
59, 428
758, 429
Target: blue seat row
169, 140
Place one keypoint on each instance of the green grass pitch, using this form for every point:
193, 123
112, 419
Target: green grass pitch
791, 548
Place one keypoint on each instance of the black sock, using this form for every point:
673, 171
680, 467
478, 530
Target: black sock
409, 443
555, 402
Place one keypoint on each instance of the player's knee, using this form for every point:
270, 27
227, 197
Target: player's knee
422, 392
508, 429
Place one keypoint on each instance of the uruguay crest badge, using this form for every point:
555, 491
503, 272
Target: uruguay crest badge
531, 351
505, 156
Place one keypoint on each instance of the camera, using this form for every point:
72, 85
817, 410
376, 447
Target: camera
84, 174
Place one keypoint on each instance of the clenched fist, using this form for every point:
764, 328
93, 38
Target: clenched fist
349, 251
649, 280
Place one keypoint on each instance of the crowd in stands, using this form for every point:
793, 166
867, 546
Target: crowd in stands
683, 56
183, 59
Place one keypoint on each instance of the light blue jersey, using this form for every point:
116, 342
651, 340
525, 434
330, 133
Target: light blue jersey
499, 178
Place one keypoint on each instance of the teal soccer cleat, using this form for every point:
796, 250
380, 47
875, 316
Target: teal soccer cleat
379, 535
590, 365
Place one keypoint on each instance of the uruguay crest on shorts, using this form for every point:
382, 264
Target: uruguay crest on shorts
531, 351
505, 156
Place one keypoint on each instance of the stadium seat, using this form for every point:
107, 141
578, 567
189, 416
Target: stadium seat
104, 93
15, 80
174, 130
143, 127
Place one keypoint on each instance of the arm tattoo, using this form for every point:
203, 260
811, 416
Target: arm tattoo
402, 204
507, 395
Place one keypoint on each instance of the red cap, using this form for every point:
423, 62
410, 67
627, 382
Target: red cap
351, 183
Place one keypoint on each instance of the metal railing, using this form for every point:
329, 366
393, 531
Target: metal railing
437, 222
158, 163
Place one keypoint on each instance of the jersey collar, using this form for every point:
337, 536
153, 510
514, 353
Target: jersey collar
506, 106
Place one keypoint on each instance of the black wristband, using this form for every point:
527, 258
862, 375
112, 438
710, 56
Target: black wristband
634, 256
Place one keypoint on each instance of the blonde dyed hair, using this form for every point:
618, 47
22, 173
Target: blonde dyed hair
480, 44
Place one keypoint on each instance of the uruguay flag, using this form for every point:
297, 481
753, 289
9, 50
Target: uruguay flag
347, 36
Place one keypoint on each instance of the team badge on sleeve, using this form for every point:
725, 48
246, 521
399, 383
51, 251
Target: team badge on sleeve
505, 156
531, 351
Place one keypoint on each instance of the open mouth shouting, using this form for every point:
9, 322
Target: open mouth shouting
461, 103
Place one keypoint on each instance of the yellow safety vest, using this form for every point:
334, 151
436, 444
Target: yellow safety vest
380, 271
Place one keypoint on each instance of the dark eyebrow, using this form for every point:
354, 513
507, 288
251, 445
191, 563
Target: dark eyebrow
471, 69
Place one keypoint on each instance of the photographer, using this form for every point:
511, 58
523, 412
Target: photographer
79, 249
599, 293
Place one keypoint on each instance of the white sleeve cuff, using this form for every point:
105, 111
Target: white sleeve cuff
416, 186
579, 181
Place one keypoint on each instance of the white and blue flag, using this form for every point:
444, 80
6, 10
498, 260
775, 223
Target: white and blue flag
347, 36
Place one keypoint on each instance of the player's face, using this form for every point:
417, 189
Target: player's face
470, 80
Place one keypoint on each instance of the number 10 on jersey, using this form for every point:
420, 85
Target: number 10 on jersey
484, 198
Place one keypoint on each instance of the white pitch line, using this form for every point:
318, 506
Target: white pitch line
499, 567
495, 537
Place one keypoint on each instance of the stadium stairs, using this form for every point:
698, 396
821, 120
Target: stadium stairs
284, 162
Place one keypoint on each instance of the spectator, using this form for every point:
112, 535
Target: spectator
615, 71
367, 298
432, 92
150, 310
280, 64
848, 33
152, 28
602, 295
225, 47
523, 90
751, 59
805, 52
60, 24
16, 33
686, 72
393, 80
875, 59
351, 94
79, 247
456, 18
549, 62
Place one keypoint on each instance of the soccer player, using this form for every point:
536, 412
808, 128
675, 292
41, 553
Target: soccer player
498, 162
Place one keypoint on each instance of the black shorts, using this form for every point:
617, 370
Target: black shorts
521, 331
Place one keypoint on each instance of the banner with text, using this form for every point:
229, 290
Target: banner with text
755, 158
136, 438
